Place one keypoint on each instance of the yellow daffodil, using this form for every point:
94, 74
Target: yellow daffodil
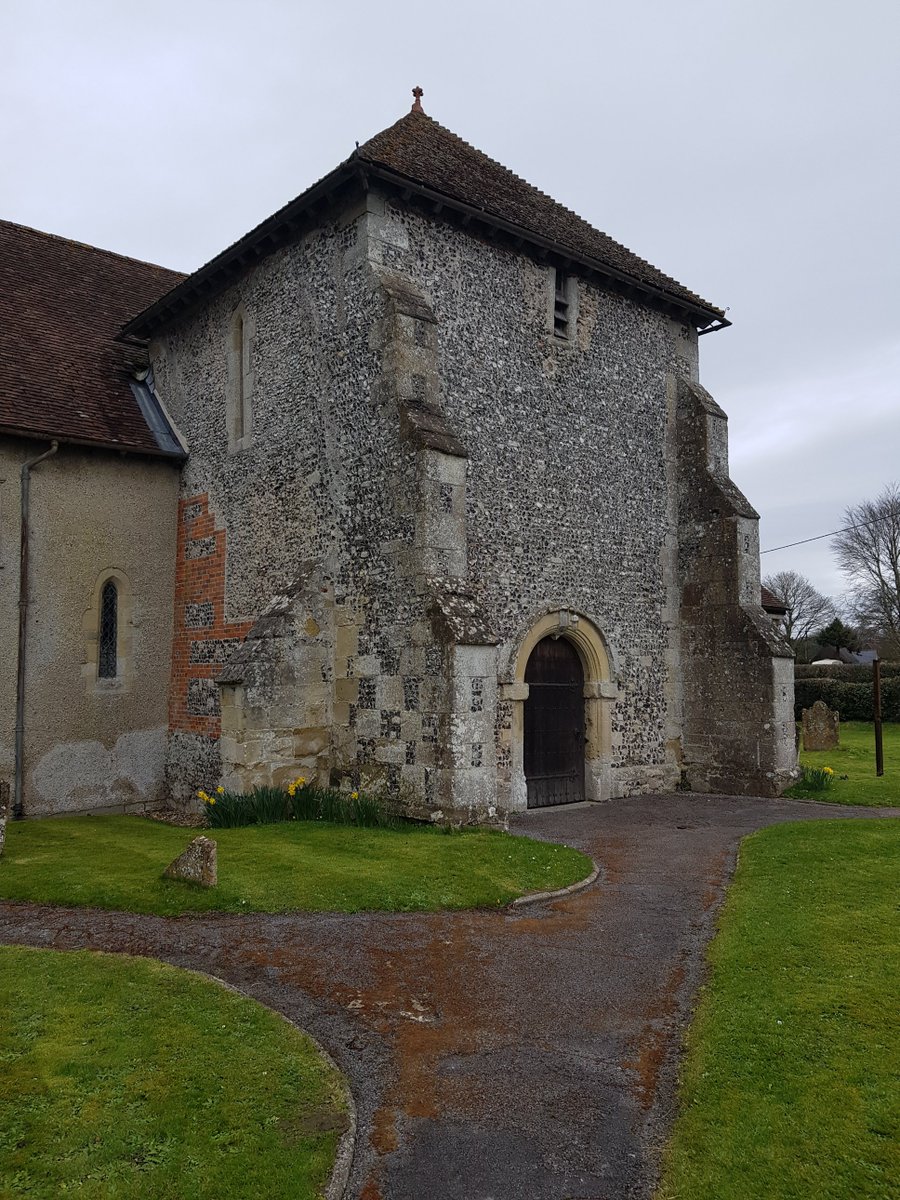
220, 790
354, 795
212, 799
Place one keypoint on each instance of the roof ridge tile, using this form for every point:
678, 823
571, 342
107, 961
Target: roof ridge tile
58, 237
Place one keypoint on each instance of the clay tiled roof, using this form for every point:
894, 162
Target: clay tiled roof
417, 156
771, 603
62, 374
424, 151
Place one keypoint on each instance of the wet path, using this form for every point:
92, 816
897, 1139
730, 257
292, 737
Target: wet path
527, 1053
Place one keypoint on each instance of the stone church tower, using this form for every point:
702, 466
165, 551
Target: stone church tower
457, 513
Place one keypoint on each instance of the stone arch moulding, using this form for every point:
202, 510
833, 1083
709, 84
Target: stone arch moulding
122, 681
600, 691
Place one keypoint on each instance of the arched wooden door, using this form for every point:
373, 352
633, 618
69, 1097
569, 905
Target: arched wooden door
554, 724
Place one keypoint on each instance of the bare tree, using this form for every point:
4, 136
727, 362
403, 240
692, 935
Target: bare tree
807, 609
868, 553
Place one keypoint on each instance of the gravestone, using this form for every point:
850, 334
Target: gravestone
197, 864
821, 727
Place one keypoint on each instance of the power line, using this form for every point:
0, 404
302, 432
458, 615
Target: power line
819, 536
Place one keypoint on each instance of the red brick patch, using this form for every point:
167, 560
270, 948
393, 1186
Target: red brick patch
199, 588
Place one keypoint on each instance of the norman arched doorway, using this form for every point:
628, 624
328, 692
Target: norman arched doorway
573, 634
553, 749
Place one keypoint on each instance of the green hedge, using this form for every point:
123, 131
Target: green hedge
852, 700
846, 674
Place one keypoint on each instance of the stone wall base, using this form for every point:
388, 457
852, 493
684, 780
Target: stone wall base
643, 780
194, 761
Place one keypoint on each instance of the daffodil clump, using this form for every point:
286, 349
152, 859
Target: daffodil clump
207, 799
299, 800
817, 779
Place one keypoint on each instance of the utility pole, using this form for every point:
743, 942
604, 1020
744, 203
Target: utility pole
876, 704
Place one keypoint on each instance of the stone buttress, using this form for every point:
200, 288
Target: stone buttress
737, 671
436, 565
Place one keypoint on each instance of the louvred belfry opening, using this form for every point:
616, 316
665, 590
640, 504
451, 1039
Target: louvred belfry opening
554, 724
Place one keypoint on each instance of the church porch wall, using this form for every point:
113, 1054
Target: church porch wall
569, 499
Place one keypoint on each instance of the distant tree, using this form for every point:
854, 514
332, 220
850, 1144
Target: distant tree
839, 635
807, 609
868, 553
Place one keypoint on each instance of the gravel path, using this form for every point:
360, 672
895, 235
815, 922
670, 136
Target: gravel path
526, 1053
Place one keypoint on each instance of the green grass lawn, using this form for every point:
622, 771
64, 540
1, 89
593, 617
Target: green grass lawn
117, 862
856, 758
127, 1079
791, 1086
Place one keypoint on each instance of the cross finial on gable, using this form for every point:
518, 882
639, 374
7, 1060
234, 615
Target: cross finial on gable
417, 103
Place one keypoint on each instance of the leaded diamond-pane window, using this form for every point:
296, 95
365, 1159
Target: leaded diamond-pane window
109, 632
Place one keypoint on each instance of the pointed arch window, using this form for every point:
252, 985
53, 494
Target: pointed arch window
108, 639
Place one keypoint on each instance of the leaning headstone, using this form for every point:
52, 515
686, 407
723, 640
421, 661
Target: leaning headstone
821, 727
197, 864
4, 811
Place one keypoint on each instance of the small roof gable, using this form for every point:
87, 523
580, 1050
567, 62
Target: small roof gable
772, 604
418, 157
63, 374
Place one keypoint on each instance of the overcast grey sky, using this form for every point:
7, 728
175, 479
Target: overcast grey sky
747, 147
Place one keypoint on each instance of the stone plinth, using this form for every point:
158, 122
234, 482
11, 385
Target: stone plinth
821, 727
197, 864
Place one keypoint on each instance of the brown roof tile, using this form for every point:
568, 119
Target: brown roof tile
62, 374
418, 147
771, 603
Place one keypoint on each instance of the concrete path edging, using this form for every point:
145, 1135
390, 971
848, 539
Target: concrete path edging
343, 1158
540, 897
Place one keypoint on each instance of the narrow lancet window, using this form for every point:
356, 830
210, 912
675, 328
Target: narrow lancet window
239, 386
239, 398
107, 659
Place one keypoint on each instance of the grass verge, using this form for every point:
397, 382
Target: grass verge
130, 1079
791, 1084
855, 758
117, 862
